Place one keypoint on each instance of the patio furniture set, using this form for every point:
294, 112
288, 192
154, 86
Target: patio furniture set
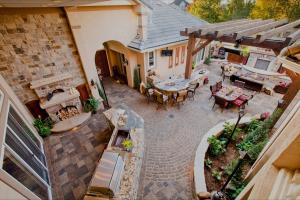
230, 95
174, 91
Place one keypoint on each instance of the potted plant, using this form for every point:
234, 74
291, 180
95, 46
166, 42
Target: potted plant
245, 51
43, 126
127, 144
91, 105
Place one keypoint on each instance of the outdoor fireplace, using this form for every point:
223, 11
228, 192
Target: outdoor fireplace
61, 101
67, 112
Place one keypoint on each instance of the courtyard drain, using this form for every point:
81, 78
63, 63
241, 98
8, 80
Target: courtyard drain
171, 116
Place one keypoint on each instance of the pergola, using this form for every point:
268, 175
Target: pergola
258, 33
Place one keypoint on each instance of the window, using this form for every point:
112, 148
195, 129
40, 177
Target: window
151, 59
171, 61
182, 54
262, 64
24, 159
177, 56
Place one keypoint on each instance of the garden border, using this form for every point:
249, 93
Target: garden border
199, 176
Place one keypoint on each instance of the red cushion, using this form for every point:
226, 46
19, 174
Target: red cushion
243, 97
238, 102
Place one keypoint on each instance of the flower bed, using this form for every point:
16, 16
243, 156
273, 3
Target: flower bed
220, 161
213, 163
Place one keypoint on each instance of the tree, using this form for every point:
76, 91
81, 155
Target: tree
276, 9
238, 9
209, 10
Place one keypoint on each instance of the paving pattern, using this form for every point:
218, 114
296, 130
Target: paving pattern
172, 136
72, 157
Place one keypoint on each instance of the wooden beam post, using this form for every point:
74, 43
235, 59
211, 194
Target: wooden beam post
201, 46
189, 59
293, 88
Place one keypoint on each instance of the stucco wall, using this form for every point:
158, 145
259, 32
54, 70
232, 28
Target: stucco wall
9, 193
35, 44
92, 26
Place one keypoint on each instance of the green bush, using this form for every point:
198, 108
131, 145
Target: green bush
216, 174
43, 126
208, 163
216, 146
251, 126
136, 78
91, 104
236, 190
228, 128
231, 166
255, 150
207, 60
244, 146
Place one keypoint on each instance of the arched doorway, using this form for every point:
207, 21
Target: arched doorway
102, 62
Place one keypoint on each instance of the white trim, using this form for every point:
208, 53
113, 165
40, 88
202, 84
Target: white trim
158, 47
1, 99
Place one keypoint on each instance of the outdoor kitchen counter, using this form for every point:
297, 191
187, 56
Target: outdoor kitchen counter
132, 160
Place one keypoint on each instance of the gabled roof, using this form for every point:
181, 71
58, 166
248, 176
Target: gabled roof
165, 25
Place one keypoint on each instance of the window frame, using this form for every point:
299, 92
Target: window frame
148, 60
183, 48
6, 147
177, 53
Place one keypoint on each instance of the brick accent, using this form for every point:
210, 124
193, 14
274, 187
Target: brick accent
35, 45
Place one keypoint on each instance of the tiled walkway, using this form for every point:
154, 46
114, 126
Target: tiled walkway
172, 136
72, 157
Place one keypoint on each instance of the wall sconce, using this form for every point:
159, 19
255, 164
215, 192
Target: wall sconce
93, 84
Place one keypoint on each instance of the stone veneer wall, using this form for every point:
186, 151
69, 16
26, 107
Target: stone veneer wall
36, 43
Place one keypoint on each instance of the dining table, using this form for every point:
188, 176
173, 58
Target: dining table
230, 92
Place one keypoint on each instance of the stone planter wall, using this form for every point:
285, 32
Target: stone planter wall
36, 44
199, 176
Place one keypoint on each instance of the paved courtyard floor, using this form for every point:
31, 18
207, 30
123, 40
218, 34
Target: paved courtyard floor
172, 136
171, 139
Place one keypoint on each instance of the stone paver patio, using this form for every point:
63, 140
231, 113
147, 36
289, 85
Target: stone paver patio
172, 136
171, 139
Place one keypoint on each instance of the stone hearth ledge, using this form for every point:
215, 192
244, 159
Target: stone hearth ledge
199, 176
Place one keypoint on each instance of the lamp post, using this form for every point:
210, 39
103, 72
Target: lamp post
241, 114
220, 195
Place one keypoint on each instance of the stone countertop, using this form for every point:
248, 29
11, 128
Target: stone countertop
133, 160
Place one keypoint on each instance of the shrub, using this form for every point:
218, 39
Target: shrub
216, 146
252, 125
244, 146
43, 126
255, 150
127, 144
228, 128
236, 190
136, 78
231, 166
91, 104
207, 60
216, 174
208, 163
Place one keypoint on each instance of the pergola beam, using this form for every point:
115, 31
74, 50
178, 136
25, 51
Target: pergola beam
189, 59
275, 31
255, 30
232, 30
201, 47
294, 36
211, 27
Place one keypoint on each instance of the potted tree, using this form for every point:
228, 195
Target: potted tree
91, 105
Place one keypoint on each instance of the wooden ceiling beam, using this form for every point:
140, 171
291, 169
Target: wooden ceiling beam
232, 30
252, 31
275, 31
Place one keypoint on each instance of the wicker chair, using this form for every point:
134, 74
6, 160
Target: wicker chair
180, 97
192, 90
221, 102
213, 90
161, 99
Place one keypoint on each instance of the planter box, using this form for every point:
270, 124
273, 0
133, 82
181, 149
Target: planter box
119, 138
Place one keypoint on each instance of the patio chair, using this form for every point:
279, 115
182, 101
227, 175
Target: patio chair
150, 94
180, 97
240, 103
239, 84
160, 99
245, 97
221, 102
219, 85
192, 90
213, 90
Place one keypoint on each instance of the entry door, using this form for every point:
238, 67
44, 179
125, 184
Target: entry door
102, 63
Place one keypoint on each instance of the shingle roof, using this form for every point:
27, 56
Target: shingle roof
165, 25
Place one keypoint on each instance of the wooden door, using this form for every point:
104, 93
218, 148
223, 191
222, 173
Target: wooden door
102, 63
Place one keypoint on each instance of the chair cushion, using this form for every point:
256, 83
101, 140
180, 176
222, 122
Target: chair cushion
244, 97
238, 102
